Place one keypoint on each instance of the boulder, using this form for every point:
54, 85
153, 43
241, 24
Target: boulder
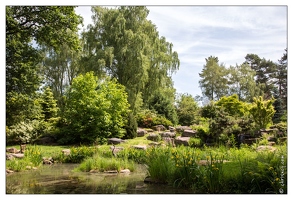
154, 144
115, 141
141, 132
142, 147
12, 150
188, 133
180, 129
153, 137
18, 155
159, 128
182, 141
48, 161
169, 141
111, 171
171, 129
9, 157
168, 134
125, 171
66, 152
8, 171
265, 148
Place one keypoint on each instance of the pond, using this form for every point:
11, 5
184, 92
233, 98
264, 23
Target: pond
61, 179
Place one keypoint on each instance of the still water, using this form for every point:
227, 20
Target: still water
61, 179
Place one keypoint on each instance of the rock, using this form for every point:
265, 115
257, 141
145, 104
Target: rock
8, 171
115, 141
159, 128
48, 161
12, 150
180, 129
168, 134
18, 155
272, 143
66, 152
171, 129
141, 132
125, 171
154, 144
9, 157
188, 133
153, 137
182, 141
28, 167
265, 148
142, 147
111, 171
169, 141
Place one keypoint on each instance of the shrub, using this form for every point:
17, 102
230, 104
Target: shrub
23, 132
195, 142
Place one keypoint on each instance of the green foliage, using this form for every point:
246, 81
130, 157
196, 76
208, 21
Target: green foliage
195, 142
186, 109
159, 164
242, 82
202, 127
33, 157
49, 104
94, 111
77, 154
45, 25
124, 44
233, 106
148, 118
213, 79
23, 132
262, 112
130, 127
21, 107
163, 104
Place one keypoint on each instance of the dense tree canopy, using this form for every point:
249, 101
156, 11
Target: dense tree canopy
117, 74
26, 28
213, 79
122, 43
94, 110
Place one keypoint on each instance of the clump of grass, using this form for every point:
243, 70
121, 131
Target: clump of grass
101, 164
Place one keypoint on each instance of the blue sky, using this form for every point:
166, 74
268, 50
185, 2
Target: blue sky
228, 32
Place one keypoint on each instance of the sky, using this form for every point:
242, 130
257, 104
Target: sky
227, 32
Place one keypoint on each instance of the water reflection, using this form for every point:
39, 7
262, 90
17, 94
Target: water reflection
60, 179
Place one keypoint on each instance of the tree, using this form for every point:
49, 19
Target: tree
213, 81
26, 28
94, 110
58, 69
186, 109
49, 104
242, 83
280, 80
264, 73
122, 43
262, 112
233, 106
163, 104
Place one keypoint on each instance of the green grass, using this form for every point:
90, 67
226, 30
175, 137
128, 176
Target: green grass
229, 170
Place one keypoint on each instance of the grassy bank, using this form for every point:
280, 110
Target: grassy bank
205, 170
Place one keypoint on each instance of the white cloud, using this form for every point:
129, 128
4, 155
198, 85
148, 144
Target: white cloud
228, 32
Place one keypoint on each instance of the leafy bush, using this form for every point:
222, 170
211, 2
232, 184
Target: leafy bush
195, 142
23, 132
148, 119
94, 110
